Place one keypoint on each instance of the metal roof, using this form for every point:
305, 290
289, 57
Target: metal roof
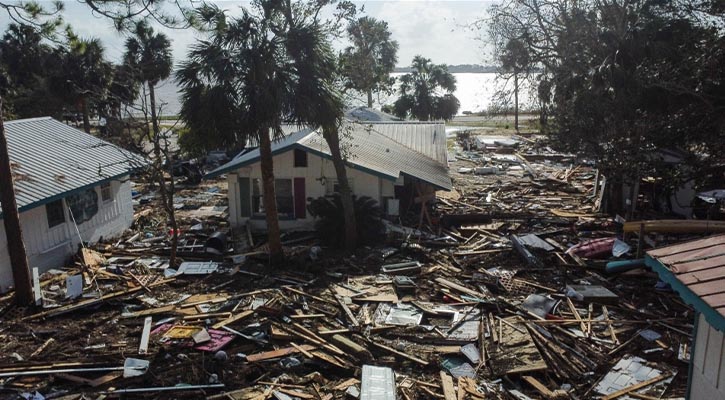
696, 270
427, 138
369, 151
51, 160
365, 114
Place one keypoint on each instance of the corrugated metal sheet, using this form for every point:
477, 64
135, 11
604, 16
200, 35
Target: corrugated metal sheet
698, 265
368, 150
51, 159
427, 138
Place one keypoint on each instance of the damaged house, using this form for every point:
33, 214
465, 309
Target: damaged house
394, 163
70, 187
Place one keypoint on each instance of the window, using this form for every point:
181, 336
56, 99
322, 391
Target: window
285, 198
332, 186
106, 192
300, 158
55, 213
83, 206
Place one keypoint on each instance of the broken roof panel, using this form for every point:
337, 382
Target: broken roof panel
51, 160
427, 138
696, 270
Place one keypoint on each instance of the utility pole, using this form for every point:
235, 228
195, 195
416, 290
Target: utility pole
11, 220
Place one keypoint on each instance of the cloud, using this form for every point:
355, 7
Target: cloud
434, 29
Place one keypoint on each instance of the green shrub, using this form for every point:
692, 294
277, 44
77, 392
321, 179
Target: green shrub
330, 224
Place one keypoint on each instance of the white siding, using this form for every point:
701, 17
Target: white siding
364, 184
708, 363
51, 248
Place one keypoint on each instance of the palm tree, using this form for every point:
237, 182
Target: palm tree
427, 92
260, 71
148, 56
83, 75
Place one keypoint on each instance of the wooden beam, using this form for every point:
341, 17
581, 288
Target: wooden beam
449, 392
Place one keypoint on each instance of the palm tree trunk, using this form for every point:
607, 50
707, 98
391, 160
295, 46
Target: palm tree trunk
86, 119
516, 102
167, 199
370, 98
348, 205
11, 221
276, 254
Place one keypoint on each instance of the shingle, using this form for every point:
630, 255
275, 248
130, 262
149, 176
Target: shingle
699, 265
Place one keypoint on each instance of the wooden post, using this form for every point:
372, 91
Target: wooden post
11, 220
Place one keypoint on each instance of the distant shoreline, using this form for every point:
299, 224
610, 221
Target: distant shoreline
460, 69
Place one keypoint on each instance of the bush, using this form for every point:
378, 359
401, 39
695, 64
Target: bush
330, 224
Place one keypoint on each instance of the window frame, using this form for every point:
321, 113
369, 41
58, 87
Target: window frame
56, 222
106, 186
303, 158
258, 199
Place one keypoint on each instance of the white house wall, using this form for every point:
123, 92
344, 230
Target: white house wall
708, 363
318, 170
51, 247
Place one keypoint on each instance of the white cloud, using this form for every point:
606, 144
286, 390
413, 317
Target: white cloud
434, 29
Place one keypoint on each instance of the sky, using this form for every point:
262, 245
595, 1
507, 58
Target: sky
438, 30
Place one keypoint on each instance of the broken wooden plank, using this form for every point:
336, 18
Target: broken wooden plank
452, 285
449, 392
266, 355
42, 347
400, 353
233, 319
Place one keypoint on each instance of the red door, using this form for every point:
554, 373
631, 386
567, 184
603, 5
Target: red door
300, 198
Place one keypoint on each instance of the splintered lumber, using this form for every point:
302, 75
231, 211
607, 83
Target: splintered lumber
449, 392
399, 353
293, 290
233, 318
90, 302
336, 361
675, 226
634, 387
42, 347
610, 327
578, 317
349, 313
348, 344
311, 337
346, 384
301, 350
266, 355
295, 393
452, 285
540, 387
